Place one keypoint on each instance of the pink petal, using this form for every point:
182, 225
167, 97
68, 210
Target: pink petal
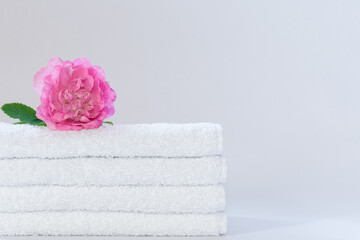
64, 76
43, 72
84, 119
99, 72
84, 62
79, 72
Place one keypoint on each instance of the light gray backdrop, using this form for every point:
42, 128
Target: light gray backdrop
282, 77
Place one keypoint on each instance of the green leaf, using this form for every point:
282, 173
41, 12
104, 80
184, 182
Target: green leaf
22, 112
41, 124
108, 122
36, 122
19, 111
20, 123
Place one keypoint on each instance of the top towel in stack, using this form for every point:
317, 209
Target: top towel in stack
142, 140
113, 180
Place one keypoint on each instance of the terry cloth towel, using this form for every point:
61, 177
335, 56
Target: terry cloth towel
149, 140
111, 223
112, 171
157, 199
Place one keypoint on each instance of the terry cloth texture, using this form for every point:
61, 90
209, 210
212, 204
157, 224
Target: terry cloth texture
113, 171
111, 224
122, 180
149, 140
146, 199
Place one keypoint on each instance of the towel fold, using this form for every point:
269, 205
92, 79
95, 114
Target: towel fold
111, 223
112, 171
150, 140
159, 199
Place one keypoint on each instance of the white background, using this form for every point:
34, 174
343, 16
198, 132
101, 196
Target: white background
282, 77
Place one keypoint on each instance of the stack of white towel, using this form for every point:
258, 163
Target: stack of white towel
148, 179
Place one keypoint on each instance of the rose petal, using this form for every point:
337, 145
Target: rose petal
84, 62
43, 72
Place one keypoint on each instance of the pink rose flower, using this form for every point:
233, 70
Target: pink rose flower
74, 95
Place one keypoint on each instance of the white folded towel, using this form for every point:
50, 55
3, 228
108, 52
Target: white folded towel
111, 223
112, 171
159, 199
150, 140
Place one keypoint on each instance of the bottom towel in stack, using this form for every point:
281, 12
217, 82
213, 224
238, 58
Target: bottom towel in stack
112, 210
111, 223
